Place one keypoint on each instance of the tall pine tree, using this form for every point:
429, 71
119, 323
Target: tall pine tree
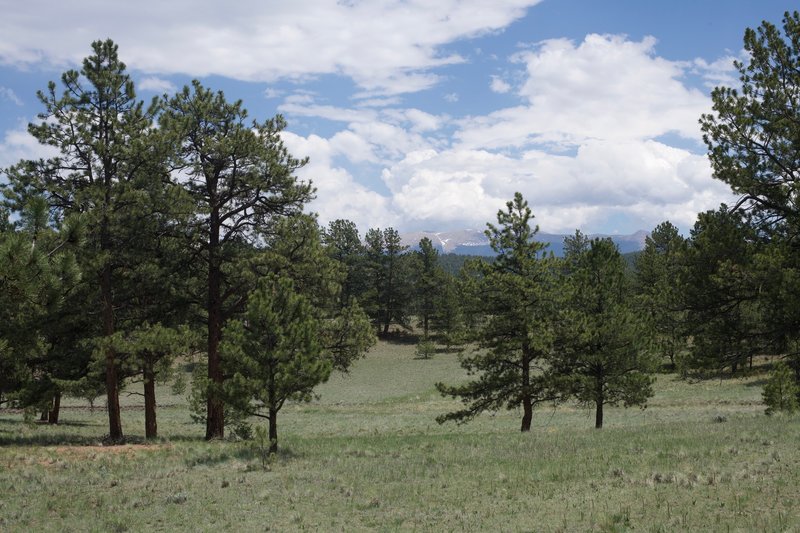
600, 357
240, 177
515, 338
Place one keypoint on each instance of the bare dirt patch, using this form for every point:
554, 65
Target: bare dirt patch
62, 455
90, 452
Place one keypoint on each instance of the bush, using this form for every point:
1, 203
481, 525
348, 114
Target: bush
781, 390
262, 447
425, 349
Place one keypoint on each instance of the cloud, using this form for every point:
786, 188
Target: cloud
385, 46
719, 72
418, 120
304, 105
499, 86
586, 147
390, 133
606, 87
10, 95
18, 144
271, 92
379, 102
339, 195
585, 143
644, 181
156, 85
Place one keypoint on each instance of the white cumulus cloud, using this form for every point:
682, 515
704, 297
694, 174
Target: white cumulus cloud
606, 87
339, 195
498, 85
385, 46
156, 85
646, 181
18, 144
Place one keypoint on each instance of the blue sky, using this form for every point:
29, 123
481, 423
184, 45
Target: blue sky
430, 115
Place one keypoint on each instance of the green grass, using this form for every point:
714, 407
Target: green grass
368, 456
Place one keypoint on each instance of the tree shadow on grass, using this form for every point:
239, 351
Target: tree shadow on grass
757, 383
246, 452
400, 337
19, 432
698, 375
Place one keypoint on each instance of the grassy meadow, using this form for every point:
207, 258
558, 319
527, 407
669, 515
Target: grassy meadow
369, 456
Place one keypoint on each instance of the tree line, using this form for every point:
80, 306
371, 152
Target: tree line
177, 226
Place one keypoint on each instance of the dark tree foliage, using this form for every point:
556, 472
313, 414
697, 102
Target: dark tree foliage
453, 263
274, 353
428, 279
657, 281
343, 243
390, 292
294, 331
38, 279
448, 321
721, 285
752, 136
600, 357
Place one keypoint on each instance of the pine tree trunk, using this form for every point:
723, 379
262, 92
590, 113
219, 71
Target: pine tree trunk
598, 414
112, 379
273, 431
150, 424
45, 415
215, 419
527, 403
55, 409
527, 414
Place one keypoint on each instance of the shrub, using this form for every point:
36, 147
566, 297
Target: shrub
425, 349
781, 390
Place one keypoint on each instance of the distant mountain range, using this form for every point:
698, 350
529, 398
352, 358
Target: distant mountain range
474, 242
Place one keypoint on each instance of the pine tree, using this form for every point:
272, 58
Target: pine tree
600, 358
753, 130
658, 288
389, 295
294, 331
752, 137
781, 390
38, 276
240, 177
448, 321
721, 286
344, 244
515, 337
428, 279
274, 354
